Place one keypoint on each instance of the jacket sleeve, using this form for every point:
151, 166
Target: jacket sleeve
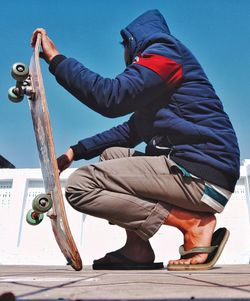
142, 82
123, 135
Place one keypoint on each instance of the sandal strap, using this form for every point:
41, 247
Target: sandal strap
196, 250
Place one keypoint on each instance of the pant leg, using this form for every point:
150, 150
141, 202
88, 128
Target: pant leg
119, 152
135, 192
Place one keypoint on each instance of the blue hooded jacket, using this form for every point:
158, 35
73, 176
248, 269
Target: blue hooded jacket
174, 107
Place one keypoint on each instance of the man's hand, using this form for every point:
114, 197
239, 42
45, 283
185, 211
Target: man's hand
65, 160
49, 48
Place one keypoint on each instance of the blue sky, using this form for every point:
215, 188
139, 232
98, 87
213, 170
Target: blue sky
217, 32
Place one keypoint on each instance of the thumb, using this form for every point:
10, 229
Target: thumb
42, 56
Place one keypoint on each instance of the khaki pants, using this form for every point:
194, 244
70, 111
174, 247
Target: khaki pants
133, 191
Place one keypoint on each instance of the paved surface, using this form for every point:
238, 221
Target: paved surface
62, 283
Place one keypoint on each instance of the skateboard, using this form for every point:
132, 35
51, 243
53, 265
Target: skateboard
29, 82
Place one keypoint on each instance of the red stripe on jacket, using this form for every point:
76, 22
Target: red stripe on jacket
167, 69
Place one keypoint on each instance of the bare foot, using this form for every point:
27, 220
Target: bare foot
197, 228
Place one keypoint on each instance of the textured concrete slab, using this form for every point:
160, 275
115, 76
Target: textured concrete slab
62, 283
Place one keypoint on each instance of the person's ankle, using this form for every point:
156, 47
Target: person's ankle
185, 220
137, 249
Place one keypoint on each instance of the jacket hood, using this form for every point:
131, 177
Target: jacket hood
147, 29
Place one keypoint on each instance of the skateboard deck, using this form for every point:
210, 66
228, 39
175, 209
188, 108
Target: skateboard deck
45, 145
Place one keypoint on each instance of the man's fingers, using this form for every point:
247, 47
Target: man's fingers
41, 55
42, 31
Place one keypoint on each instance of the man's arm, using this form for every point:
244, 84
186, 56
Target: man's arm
137, 87
141, 83
124, 135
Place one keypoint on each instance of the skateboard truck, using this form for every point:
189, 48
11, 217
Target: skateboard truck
20, 72
41, 203
51, 215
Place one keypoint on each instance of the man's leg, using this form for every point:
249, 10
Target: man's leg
197, 229
136, 193
135, 247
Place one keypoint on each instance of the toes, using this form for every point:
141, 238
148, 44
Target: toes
197, 259
178, 261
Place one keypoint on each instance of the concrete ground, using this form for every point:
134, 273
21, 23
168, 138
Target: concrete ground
62, 283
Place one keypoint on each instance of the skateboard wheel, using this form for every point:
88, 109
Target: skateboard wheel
42, 203
20, 71
13, 96
33, 218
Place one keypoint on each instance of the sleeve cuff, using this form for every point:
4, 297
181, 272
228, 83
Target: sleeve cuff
55, 62
79, 151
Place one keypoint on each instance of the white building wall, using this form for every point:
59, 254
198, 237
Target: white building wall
21, 243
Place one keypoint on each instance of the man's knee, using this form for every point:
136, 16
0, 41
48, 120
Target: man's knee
115, 153
72, 182
71, 188
78, 186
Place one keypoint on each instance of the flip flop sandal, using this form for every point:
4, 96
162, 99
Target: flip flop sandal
117, 261
219, 240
